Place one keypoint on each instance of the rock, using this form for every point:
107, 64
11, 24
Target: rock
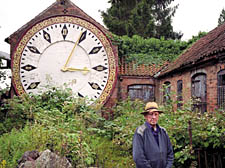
46, 159
29, 164
51, 160
28, 156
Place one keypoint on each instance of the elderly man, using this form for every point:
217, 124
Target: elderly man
151, 144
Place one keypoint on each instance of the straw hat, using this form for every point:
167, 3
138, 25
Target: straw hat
151, 107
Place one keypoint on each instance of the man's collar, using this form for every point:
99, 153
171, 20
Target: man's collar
149, 125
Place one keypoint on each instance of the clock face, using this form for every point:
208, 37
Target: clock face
66, 52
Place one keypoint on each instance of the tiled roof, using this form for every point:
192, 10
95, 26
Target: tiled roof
204, 49
132, 69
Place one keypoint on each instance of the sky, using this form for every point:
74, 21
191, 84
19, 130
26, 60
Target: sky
191, 17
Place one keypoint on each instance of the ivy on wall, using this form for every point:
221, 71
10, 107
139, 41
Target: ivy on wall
151, 50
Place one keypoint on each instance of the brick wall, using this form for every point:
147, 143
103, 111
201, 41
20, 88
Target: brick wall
125, 81
120, 92
185, 77
211, 84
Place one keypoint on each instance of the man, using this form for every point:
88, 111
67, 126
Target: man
151, 144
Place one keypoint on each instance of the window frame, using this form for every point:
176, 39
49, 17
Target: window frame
179, 94
199, 102
166, 91
142, 92
221, 89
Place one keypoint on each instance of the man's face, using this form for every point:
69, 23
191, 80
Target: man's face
152, 118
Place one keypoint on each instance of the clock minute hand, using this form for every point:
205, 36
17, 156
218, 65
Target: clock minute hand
71, 53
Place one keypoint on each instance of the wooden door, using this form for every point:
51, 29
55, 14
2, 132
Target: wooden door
199, 92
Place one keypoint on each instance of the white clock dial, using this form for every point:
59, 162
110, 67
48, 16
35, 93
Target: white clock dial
65, 53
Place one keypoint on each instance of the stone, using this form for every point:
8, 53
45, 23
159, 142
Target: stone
28, 156
45, 159
50, 160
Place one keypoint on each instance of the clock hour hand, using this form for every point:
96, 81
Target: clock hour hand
85, 70
71, 53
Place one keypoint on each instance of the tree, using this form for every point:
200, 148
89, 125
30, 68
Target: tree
116, 16
221, 19
146, 18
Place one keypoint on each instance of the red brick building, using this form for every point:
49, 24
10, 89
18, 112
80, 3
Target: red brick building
199, 73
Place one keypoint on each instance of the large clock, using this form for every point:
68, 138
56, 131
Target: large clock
67, 52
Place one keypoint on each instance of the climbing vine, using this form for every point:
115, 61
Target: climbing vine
151, 50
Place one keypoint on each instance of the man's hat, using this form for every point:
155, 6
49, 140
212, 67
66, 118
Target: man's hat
151, 107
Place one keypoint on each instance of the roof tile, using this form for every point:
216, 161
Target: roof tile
133, 69
207, 46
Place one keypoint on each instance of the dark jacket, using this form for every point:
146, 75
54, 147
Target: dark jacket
147, 153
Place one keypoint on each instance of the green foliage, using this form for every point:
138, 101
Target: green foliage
70, 128
149, 51
125, 124
207, 131
52, 121
141, 17
196, 38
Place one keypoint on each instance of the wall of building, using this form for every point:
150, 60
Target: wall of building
126, 81
185, 77
120, 91
211, 72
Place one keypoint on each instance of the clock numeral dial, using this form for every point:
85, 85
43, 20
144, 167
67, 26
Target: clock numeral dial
66, 53
33, 85
64, 32
94, 86
28, 67
99, 68
83, 36
33, 49
95, 50
47, 36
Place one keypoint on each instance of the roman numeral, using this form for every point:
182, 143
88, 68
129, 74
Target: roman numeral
64, 32
33, 49
94, 86
95, 50
83, 36
46, 36
99, 68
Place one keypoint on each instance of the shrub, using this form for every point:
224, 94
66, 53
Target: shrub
68, 127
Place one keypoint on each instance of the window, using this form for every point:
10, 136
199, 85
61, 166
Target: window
166, 91
142, 92
199, 92
221, 89
179, 93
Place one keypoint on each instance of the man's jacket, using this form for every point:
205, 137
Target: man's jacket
147, 153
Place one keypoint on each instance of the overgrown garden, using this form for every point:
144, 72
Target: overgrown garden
68, 127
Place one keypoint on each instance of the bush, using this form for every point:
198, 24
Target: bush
53, 120
70, 128
207, 132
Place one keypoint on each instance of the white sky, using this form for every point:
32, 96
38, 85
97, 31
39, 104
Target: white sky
191, 17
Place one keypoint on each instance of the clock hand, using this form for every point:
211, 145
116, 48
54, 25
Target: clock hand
77, 69
85, 70
71, 53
